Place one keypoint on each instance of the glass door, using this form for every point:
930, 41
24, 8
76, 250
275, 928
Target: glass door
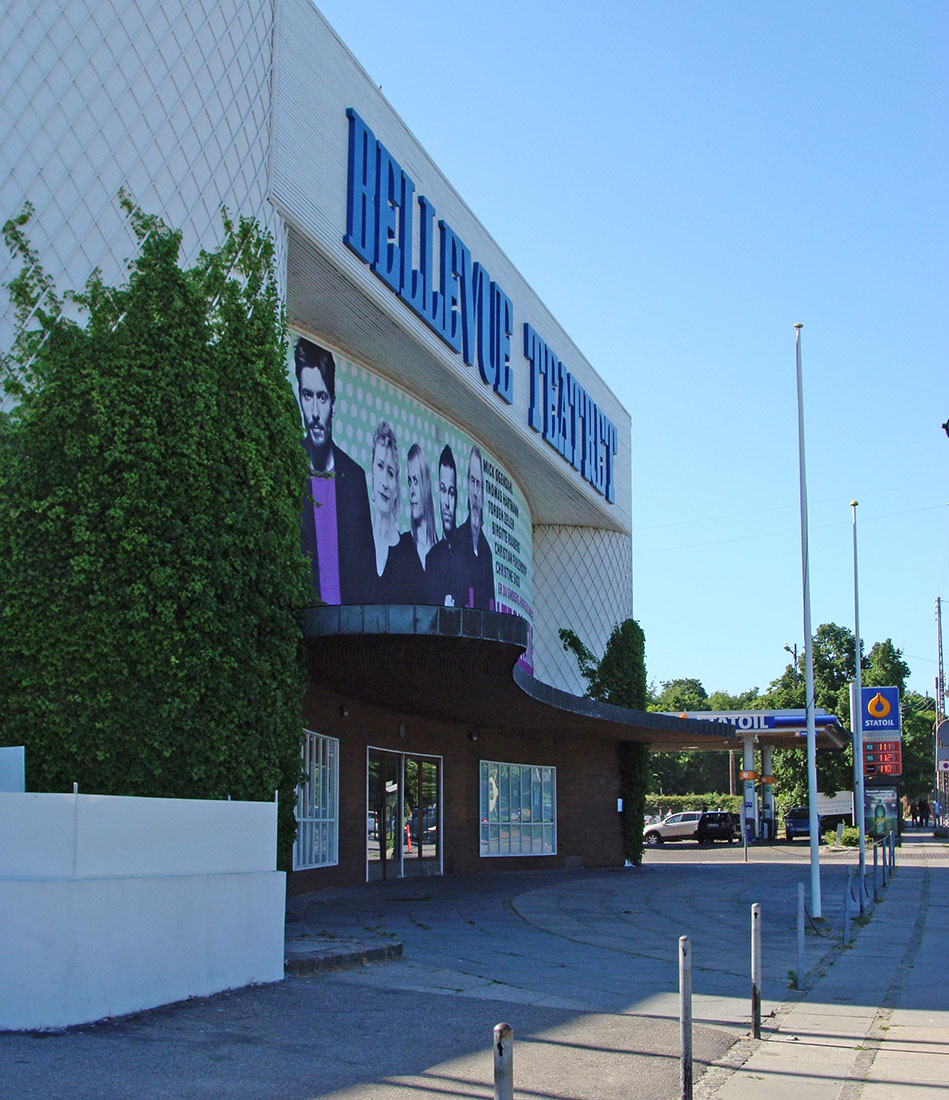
422, 854
403, 821
384, 819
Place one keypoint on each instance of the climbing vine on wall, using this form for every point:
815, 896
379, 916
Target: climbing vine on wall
150, 566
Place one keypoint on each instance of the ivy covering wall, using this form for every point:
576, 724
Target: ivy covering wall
150, 567
619, 677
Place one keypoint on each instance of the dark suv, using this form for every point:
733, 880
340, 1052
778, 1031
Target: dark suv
797, 822
715, 825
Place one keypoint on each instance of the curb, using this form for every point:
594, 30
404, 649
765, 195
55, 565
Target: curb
341, 960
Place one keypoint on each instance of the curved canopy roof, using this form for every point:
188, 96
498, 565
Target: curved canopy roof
457, 664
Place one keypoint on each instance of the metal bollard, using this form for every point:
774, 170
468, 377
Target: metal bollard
503, 1062
847, 906
883, 861
861, 892
800, 935
756, 970
875, 890
685, 1016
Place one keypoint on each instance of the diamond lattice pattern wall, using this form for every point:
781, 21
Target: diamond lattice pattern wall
583, 580
168, 99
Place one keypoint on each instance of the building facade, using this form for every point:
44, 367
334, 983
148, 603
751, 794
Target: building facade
471, 470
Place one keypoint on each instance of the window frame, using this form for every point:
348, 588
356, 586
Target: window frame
527, 795
319, 792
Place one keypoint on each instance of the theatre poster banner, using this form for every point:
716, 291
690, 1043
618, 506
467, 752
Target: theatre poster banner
404, 506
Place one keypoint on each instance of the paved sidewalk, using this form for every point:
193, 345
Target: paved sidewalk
583, 964
875, 1026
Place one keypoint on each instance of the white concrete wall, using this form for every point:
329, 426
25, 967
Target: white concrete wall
13, 768
114, 905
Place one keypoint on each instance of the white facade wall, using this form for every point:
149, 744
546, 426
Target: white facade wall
114, 905
582, 544
316, 80
168, 99
189, 106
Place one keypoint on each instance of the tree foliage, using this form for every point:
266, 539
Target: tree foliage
919, 719
619, 677
150, 566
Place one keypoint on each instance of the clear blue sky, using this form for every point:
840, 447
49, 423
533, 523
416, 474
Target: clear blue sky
681, 183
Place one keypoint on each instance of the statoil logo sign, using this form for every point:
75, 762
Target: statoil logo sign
880, 709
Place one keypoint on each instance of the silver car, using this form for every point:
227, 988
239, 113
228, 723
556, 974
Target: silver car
682, 826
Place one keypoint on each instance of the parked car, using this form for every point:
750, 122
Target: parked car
797, 822
705, 826
716, 825
680, 826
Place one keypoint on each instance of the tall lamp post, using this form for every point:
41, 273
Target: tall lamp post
793, 653
808, 651
856, 711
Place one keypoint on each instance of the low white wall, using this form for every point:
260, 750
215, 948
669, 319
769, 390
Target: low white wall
13, 768
85, 835
114, 905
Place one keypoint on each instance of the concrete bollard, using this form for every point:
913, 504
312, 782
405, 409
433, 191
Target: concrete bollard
685, 1017
800, 935
503, 1062
756, 970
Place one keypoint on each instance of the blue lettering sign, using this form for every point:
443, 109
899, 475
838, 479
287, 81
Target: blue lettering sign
567, 417
456, 297
361, 198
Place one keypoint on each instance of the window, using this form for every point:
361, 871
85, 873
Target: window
317, 843
518, 810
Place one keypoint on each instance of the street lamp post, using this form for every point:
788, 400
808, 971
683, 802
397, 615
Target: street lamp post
793, 653
857, 715
808, 650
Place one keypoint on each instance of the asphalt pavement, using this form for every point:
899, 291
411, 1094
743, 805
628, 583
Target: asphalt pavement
393, 991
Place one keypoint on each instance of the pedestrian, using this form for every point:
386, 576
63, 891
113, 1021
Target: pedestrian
914, 810
923, 813
907, 812
937, 812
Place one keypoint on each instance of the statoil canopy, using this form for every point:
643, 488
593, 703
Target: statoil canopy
755, 721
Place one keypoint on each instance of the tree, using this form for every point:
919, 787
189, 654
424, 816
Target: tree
692, 772
885, 667
918, 761
680, 695
619, 677
150, 566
